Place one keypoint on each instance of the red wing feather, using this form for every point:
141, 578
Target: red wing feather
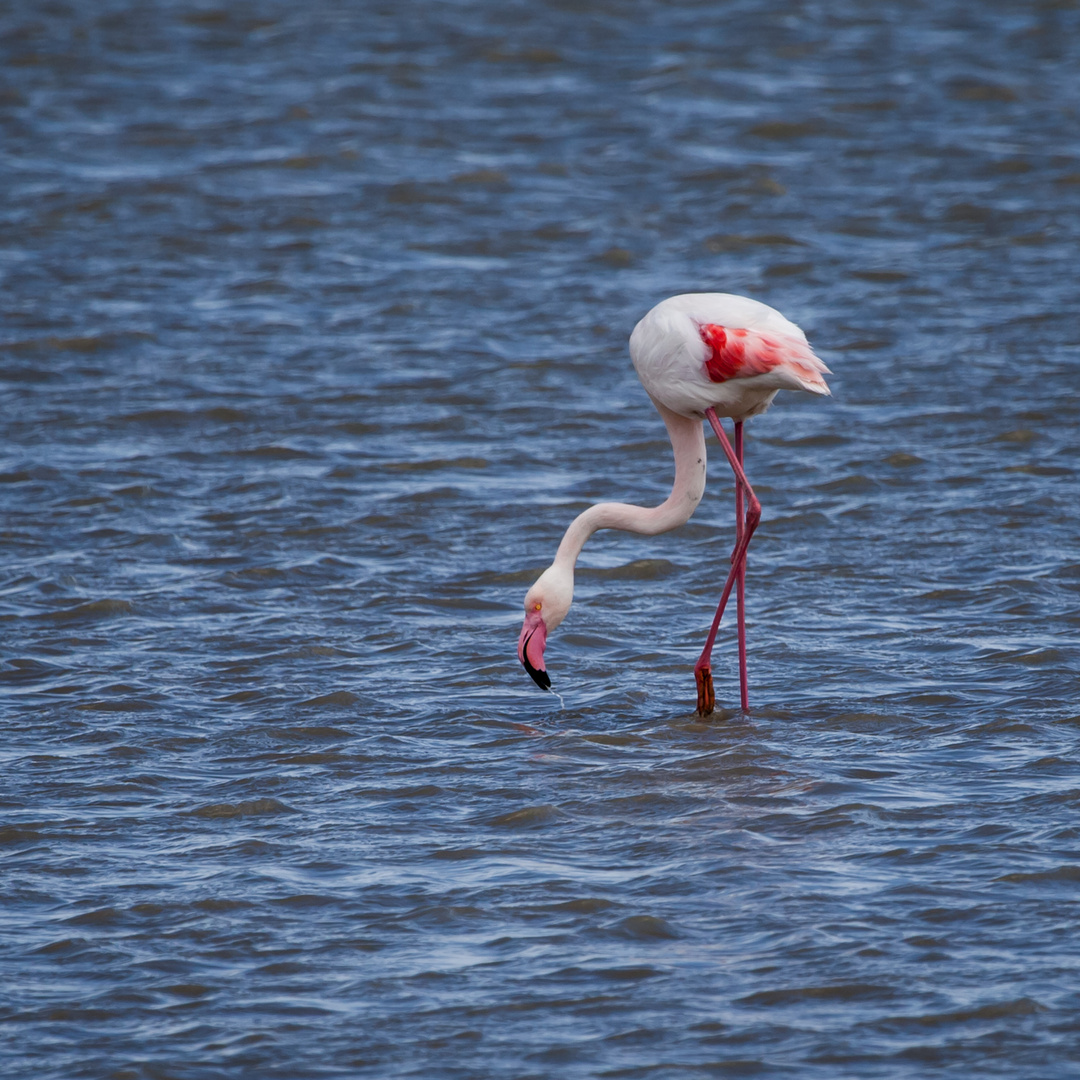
735, 353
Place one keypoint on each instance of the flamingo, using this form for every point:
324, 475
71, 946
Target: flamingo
699, 356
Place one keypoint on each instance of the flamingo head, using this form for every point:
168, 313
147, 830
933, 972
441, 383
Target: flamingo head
546, 605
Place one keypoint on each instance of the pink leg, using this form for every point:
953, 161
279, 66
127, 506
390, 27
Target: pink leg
703, 668
740, 584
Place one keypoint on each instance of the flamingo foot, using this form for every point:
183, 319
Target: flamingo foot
706, 699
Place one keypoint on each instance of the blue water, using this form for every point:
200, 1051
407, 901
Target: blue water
313, 328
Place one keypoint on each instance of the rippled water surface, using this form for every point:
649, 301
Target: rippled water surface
313, 340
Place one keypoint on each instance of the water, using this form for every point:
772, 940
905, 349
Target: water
314, 325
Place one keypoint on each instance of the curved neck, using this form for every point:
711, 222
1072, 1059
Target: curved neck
688, 445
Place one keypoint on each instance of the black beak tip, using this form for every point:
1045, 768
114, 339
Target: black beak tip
541, 678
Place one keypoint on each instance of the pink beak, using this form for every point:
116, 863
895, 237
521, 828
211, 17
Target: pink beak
531, 649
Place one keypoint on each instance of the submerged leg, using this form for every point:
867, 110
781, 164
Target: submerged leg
703, 668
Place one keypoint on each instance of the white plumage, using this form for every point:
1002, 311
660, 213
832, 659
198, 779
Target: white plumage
671, 355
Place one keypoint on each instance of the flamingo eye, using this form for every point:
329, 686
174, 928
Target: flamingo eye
536, 607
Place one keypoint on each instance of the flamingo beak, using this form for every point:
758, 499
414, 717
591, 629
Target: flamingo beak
531, 649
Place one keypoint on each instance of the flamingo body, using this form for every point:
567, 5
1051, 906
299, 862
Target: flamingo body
700, 355
730, 353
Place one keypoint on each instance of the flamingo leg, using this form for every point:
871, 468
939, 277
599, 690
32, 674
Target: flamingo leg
703, 668
740, 584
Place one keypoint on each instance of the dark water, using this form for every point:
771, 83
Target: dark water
314, 324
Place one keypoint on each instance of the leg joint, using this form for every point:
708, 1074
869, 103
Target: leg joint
753, 512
